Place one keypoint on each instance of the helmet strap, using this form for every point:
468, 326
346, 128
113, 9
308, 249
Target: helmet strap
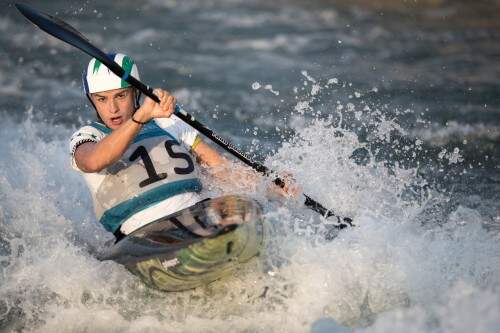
137, 98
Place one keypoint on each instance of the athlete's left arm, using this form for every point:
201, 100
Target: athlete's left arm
222, 169
207, 155
225, 170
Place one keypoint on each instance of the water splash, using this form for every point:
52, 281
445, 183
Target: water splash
393, 264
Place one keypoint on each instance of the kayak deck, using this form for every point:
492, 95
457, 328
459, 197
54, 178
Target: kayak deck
194, 246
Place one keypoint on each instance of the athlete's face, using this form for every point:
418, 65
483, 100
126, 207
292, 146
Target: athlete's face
115, 106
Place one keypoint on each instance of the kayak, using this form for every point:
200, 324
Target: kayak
194, 246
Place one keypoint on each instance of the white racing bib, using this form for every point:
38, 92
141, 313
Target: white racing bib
154, 168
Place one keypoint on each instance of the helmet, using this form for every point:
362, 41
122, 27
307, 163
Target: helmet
97, 77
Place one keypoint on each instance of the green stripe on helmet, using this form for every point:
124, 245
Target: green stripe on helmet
127, 64
97, 64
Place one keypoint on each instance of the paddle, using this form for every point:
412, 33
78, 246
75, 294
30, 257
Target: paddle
63, 31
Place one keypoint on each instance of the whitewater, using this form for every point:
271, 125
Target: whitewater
418, 176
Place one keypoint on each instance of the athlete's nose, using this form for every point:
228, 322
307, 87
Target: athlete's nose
113, 106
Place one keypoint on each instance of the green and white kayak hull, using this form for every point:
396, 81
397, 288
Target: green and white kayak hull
195, 246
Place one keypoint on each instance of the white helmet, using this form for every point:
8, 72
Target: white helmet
97, 77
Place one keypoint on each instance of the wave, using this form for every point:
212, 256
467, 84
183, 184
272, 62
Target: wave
393, 264
456, 131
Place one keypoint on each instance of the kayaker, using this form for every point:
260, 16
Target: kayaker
140, 162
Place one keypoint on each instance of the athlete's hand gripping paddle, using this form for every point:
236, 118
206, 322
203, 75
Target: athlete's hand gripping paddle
70, 35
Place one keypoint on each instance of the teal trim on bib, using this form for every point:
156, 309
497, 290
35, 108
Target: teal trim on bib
101, 127
114, 217
150, 130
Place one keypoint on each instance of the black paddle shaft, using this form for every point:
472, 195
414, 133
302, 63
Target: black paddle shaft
63, 31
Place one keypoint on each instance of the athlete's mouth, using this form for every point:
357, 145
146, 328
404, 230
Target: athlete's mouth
116, 120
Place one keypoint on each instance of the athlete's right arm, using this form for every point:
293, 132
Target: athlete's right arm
95, 156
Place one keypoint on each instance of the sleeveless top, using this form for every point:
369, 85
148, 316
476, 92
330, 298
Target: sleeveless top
156, 167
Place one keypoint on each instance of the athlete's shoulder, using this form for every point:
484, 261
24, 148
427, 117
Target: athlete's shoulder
169, 125
169, 122
179, 129
89, 133
95, 127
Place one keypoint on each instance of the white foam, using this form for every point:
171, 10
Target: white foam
389, 266
288, 43
439, 135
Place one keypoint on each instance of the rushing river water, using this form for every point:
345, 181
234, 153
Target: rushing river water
386, 113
